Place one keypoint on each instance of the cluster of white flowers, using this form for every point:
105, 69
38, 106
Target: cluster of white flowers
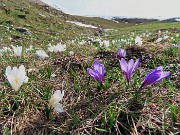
57, 48
17, 76
17, 50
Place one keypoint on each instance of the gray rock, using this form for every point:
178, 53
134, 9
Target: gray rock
23, 30
22, 16
99, 32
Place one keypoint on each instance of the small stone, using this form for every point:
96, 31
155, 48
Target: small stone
23, 30
22, 16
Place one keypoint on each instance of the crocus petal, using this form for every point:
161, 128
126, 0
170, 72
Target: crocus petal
14, 71
22, 68
14, 85
123, 65
153, 72
154, 76
100, 69
58, 95
97, 66
136, 64
100, 78
93, 73
150, 72
22, 73
124, 54
151, 78
160, 68
58, 107
163, 75
130, 67
8, 70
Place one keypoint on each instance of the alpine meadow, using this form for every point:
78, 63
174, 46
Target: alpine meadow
63, 74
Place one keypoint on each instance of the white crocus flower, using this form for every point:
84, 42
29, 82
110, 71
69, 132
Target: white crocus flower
16, 76
158, 40
50, 48
42, 54
165, 37
55, 99
17, 50
100, 43
138, 40
59, 48
106, 43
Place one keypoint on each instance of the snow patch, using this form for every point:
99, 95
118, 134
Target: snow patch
83, 25
178, 19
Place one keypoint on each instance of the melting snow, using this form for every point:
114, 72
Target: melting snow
178, 19
83, 25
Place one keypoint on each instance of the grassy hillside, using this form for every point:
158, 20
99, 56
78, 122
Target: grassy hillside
44, 24
103, 23
113, 106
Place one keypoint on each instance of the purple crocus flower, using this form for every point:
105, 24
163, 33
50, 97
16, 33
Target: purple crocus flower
128, 68
97, 71
155, 75
121, 53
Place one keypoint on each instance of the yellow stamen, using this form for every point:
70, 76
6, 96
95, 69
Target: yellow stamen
16, 80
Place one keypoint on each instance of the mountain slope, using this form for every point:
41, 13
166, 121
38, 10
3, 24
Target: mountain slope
43, 22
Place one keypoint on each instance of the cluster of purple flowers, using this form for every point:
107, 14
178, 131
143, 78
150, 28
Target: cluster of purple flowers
155, 75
